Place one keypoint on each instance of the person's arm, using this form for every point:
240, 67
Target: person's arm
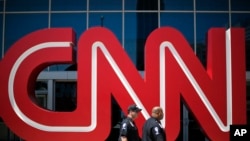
124, 132
157, 134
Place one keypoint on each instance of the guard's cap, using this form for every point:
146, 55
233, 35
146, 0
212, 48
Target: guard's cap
134, 108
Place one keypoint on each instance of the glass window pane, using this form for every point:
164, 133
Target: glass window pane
5, 133
130, 4
65, 96
27, 23
144, 23
218, 5
141, 4
176, 20
177, 4
138, 27
240, 5
205, 21
130, 35
69, 5
1, 5
77, 21
243, 20
41, 94
105, 4
27, 5
112, 21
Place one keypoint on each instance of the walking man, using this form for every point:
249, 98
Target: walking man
152, 128
128, 129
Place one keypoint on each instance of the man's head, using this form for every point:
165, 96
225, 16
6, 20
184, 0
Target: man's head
157, 113
133, 111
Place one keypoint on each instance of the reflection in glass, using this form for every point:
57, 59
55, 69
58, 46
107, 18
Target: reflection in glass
27, 23
68, 5
145, 5
41, 93
176, 20
240, 5
6, 134
65, 96
146, 23
178, 4
27, 5
58, 67
205, 21
130, 35
1, 5
217, 5
130, 4
105, 4
243, 20
112, 21
77, 21
240, 20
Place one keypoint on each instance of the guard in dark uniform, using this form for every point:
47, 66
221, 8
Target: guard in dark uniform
128, 129
152, 128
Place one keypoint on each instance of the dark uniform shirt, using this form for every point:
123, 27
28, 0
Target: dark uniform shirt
129, 130
153, 131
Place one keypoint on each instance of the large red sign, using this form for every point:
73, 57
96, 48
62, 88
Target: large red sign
216, 95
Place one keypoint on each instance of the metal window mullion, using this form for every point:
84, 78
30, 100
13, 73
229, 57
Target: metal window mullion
51, 95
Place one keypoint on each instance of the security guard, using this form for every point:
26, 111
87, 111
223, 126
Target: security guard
128, 129
152, 128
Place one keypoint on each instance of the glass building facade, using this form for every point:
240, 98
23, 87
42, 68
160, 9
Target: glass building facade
131, 21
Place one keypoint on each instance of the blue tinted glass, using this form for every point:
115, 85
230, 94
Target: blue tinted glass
177, 4
77, 21
130, 34
105, 4
240, 5
205, 21
112, 21
19, 25
141, 4
58, 67
1, 5
218, 5
243, 20
27, 5
130, 4
138, 27
176, 20
68, 5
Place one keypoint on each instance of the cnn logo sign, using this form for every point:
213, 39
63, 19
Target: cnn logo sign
216, 95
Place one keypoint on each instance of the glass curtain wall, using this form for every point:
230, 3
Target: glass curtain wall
131, 21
